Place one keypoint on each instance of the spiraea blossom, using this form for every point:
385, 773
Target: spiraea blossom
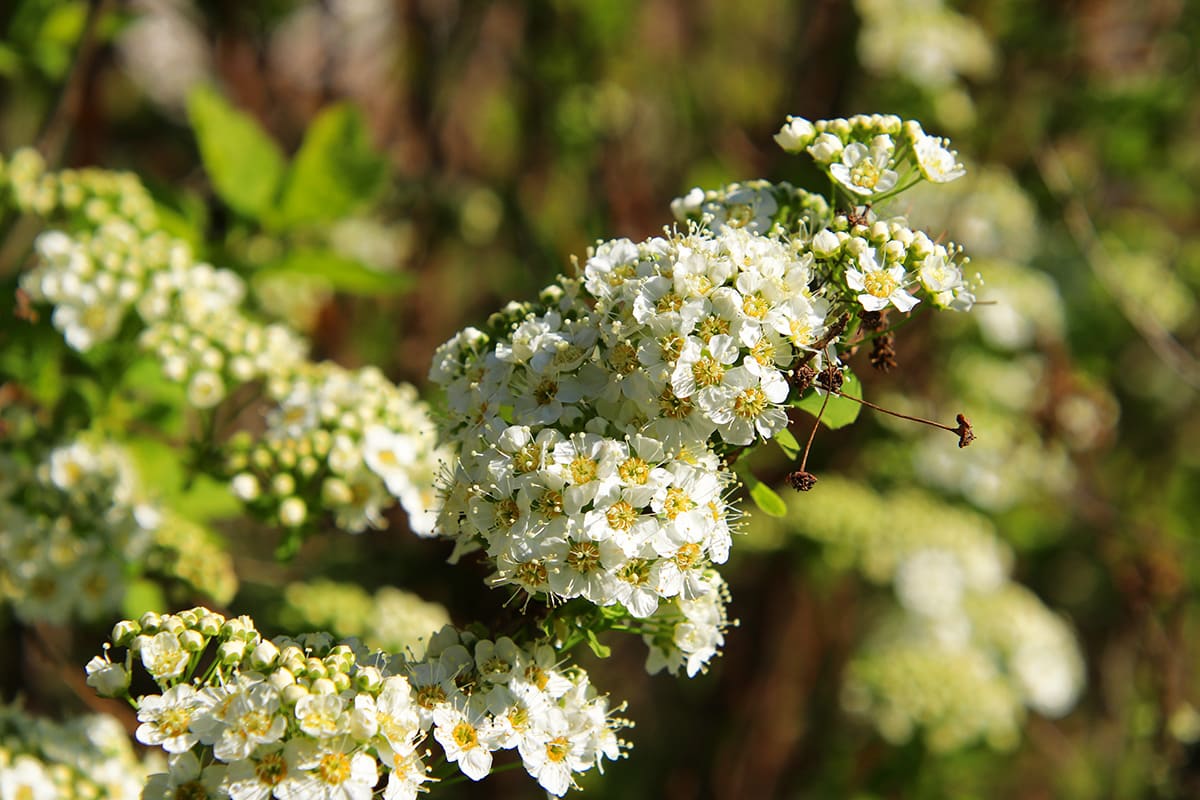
595, 428
308, 717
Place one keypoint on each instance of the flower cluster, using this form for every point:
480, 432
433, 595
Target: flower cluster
74, 523
685, 634
390, 619
758, 206
871, 157
243, 717
949, 572
78, 526
594, 427
86, 197
349, 442
89, 756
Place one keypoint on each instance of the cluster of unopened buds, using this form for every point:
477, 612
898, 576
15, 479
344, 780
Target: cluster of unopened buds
244, 717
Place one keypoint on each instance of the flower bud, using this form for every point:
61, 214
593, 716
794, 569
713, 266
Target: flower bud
192, 641
292, 694
323, 686
292, 512
264, 656
231, 652
368, 679
281, 678
124, 631
795, 134
826, 244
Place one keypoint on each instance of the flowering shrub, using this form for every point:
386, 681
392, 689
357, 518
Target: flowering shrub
589, 452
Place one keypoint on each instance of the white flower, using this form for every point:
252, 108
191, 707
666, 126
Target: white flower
255, 778
879, 286
163, 656
389, 455
321, 715
795, 134
332, 769
748, 401
251, 719
825, 148
166, 718
26, 778
107, 678
467, 739
866, 171
185, 778
205, 389
935, 160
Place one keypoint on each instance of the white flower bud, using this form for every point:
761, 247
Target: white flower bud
283, 484
205, 389
264, 656
369, 679
826, 149
894, 251
292, 694
124, 631
245, 487
826, 244
323, 686
231, 652
795, 134
281, 678
192, 641
292, 512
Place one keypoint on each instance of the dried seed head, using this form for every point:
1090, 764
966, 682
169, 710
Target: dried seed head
801, 480
965, 434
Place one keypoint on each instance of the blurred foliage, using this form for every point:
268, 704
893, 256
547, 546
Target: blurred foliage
474, 147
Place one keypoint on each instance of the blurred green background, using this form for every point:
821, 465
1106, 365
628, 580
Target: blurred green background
517, 134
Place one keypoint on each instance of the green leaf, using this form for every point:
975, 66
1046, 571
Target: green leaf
342, 273
764, 496
787, 443
601, 651
839, 412
336, 172
243, 162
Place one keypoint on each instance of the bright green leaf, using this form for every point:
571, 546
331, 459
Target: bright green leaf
787, 443
601, 651
839, 412
336, 172
342, 273
243, 162
764, 496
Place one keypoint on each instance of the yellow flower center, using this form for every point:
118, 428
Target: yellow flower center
583, 557
878, 283
707, 371
623, 358
750, 403
634, 470
272, 769
621, 516
558, 748
677, 502
334, 768
583, 469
